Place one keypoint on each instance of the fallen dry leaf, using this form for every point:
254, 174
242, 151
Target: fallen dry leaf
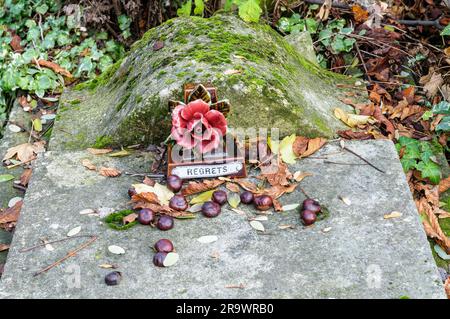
146, 196
26, 176
299, 176
99, 151
444, 185
24, 152
109, 172
286, 227
129, 218
277, 190
11, 214
240, 286
393, 215
232, 187
88, 164
53, 66
277, 205
199, 187
313, 146
359, 13
276, 174
431, 224
431, 83
4, 247
108, 266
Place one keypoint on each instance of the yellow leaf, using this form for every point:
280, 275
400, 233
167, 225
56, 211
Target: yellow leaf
287, 154
162, 192
37, 125
203, 197
350, 119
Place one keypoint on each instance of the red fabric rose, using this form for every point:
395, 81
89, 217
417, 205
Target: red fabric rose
196, 126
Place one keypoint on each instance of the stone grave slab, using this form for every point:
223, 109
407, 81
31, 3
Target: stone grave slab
354, 253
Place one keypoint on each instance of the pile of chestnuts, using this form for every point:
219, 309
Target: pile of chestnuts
310, 209
162, 248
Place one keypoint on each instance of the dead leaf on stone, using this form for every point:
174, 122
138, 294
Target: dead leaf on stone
286, 227
240, 286
146, 196
277, 205
108, 266
299, 175
346, 200
129, 218
277, 175
199, 187
304, 146
26, 176
88, 164
109, 172
277, 190
232, 187
4, 247
99, 151
11, 214
257, 225
393, 215
24, 152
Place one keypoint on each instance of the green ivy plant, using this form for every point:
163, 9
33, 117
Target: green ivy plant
248, 10
45, 34
420, 155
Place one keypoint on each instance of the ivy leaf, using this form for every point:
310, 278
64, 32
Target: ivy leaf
444, 124
185, 10
42, 9
430, 170
250, 11
442, 107
446, 31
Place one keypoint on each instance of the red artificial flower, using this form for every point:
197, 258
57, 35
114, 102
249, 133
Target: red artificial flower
195, 125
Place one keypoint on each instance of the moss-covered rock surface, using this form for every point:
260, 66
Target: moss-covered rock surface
271, 85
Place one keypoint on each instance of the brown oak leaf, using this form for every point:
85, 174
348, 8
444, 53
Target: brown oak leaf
199, 187
109, 172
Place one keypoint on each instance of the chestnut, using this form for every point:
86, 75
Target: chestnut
174, 183
308, 217
312, 205
146, 216
247, 197
113, 278
211, 209
220, 197
263, 202
165, 222
158, 259
178, 202
164, 246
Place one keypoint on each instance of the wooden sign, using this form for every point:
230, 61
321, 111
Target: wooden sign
197, 160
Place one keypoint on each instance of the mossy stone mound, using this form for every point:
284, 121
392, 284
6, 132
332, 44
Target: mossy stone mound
268, 83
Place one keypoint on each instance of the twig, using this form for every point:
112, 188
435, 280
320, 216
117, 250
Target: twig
432, 23
362, 61
303, 191
362, 158
52, 242
145, 175
341, 163
69, 254
21, 163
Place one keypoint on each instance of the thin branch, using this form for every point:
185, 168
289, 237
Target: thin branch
69, 254
362, 158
